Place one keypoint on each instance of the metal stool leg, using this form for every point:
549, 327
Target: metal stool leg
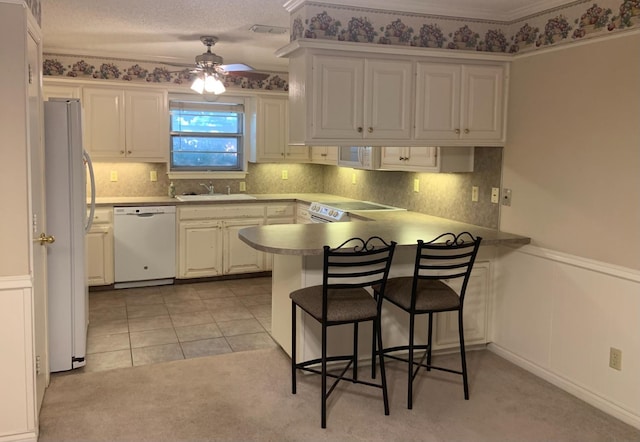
463, 356
293, 348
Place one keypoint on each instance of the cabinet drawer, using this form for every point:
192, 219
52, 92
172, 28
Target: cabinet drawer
103, 216
222, 211
280, 210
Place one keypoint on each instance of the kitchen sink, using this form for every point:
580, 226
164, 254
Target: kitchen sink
215, 197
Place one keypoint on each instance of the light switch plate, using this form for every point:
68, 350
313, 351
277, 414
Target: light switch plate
153, 176
416, 185
474, 194
114, 176
243, 186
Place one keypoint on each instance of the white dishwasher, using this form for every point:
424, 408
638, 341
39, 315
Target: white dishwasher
144, 245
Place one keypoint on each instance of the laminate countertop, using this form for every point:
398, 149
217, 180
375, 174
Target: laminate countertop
404, 227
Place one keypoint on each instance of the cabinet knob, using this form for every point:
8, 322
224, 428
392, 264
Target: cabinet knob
281, 154
122, 152
359, 130
128, 152
370, 130
466, 131
457, 131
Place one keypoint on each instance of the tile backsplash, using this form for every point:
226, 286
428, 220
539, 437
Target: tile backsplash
441, 194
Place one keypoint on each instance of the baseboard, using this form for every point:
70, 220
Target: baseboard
22, 437
570, 387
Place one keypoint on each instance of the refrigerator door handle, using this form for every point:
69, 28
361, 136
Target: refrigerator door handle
92, 181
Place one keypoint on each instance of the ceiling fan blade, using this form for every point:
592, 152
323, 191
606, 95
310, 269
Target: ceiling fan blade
238, 67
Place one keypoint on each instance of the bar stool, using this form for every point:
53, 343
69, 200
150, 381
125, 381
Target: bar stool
447, 257
343, 299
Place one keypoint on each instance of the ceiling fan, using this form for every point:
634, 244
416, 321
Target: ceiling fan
208, 61
210, 70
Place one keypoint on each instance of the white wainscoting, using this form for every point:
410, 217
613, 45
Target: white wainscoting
17, 375
557, 315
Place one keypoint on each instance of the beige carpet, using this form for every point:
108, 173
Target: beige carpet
247, 396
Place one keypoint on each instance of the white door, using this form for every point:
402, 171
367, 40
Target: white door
481, 117
338, 89
393, 156
239, 257
147, 125
387, 99
272, 129
104, 123
438, 102
37, 187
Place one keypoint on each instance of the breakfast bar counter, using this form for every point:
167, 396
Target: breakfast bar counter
297, 263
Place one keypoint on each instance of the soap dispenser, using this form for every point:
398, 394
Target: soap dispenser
172, 190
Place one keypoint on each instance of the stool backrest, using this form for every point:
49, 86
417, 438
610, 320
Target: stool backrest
357, 263
447, 257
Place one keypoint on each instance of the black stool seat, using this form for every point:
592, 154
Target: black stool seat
342, 306
431, 295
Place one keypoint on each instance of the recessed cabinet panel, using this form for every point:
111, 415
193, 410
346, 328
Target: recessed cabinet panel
104, 122
482, 103
474, 316
337, 97
147, 124
387, 104
239, 257
200, 249
438, 101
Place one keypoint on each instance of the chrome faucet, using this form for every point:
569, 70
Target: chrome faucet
209, 187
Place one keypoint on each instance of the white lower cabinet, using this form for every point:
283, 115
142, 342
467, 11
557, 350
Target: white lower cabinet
302, 213
200, 249
279, 214
474, 316
99, 243
239, 257
208, 242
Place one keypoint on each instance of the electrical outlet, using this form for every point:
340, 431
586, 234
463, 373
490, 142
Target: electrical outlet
495, 195
153, 176
243, 186
285, 174
353, 178
474, 194
615, 358
416, 185
506, 197
114, 176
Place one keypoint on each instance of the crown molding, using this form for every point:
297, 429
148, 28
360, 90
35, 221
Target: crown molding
499, 10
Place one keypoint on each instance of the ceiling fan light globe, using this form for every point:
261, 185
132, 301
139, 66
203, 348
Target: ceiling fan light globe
198, 85
218, 87
209, 83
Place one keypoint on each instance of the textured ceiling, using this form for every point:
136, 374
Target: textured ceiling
169, 30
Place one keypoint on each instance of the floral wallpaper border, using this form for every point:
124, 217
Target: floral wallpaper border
81, 67
564, 24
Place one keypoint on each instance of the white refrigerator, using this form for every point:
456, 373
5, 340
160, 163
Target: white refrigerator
68, 220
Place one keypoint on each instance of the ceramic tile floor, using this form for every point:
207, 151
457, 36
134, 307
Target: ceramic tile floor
138, 326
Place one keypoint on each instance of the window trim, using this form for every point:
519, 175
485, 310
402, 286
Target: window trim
207, 102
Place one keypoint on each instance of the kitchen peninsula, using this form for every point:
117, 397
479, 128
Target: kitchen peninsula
297, 263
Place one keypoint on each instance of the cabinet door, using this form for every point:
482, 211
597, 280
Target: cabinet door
239, 257
393, 157
200, 249
324, 154
338, 89
100, 255
387, 99
437, 102
423, 158
272, 130
104, 123
147, 125
474, 313
481, 117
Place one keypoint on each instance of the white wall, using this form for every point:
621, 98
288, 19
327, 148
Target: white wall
572, 161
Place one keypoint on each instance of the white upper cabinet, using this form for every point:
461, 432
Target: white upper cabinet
428, 159
126, 124
374, 95
360, 99
272, 133
460, 103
